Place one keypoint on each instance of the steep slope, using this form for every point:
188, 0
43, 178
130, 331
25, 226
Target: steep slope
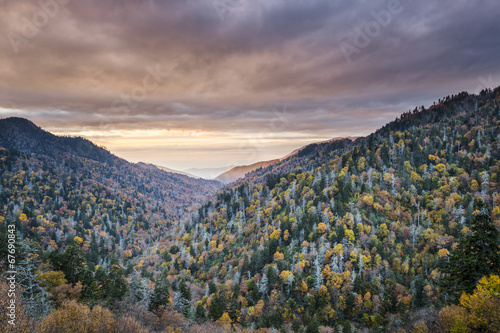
281, 164
67, 187
346, 233
303, 158
240, 171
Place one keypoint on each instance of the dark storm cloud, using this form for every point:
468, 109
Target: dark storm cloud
234, 62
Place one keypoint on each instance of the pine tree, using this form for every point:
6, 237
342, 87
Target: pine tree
115, 286
217, 307
71, 262
475, 256
183, 299
160, 296
313, 326
200, 311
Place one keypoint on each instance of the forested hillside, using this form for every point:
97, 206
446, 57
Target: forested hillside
57, 188
351, 235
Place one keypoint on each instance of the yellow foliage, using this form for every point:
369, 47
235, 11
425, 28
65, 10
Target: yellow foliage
353, 257
285, 274
378, 207
443, 253
78, 240
349, 234
225, 320
279, 256
474, 186
220, 248
490, 285
440, 167
323, 292
479, 312
434, 158
322, 228
275, 235
338, 248
415, 177
368, 200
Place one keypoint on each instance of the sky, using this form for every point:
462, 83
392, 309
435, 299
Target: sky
213, 83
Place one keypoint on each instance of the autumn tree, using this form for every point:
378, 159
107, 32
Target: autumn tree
476, 312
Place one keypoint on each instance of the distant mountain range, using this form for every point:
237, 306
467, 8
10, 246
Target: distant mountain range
227, 175
208, 173
240, 171
154, 166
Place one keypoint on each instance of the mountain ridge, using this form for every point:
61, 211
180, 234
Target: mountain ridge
350, 233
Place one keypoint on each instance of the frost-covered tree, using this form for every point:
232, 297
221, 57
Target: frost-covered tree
317, 276
263, 285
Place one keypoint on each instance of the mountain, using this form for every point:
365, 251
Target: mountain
240, 171
71, 187
23, 135
318, 144
347, 233
208, 173
153, 166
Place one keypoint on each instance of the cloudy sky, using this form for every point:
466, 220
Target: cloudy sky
211, 83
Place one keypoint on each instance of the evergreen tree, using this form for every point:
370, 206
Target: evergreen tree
475, 256
160, 296
313, 326
115, 286
200, 312
216, 307
183, 298
71, 262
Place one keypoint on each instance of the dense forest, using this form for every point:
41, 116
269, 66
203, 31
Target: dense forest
373, 234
